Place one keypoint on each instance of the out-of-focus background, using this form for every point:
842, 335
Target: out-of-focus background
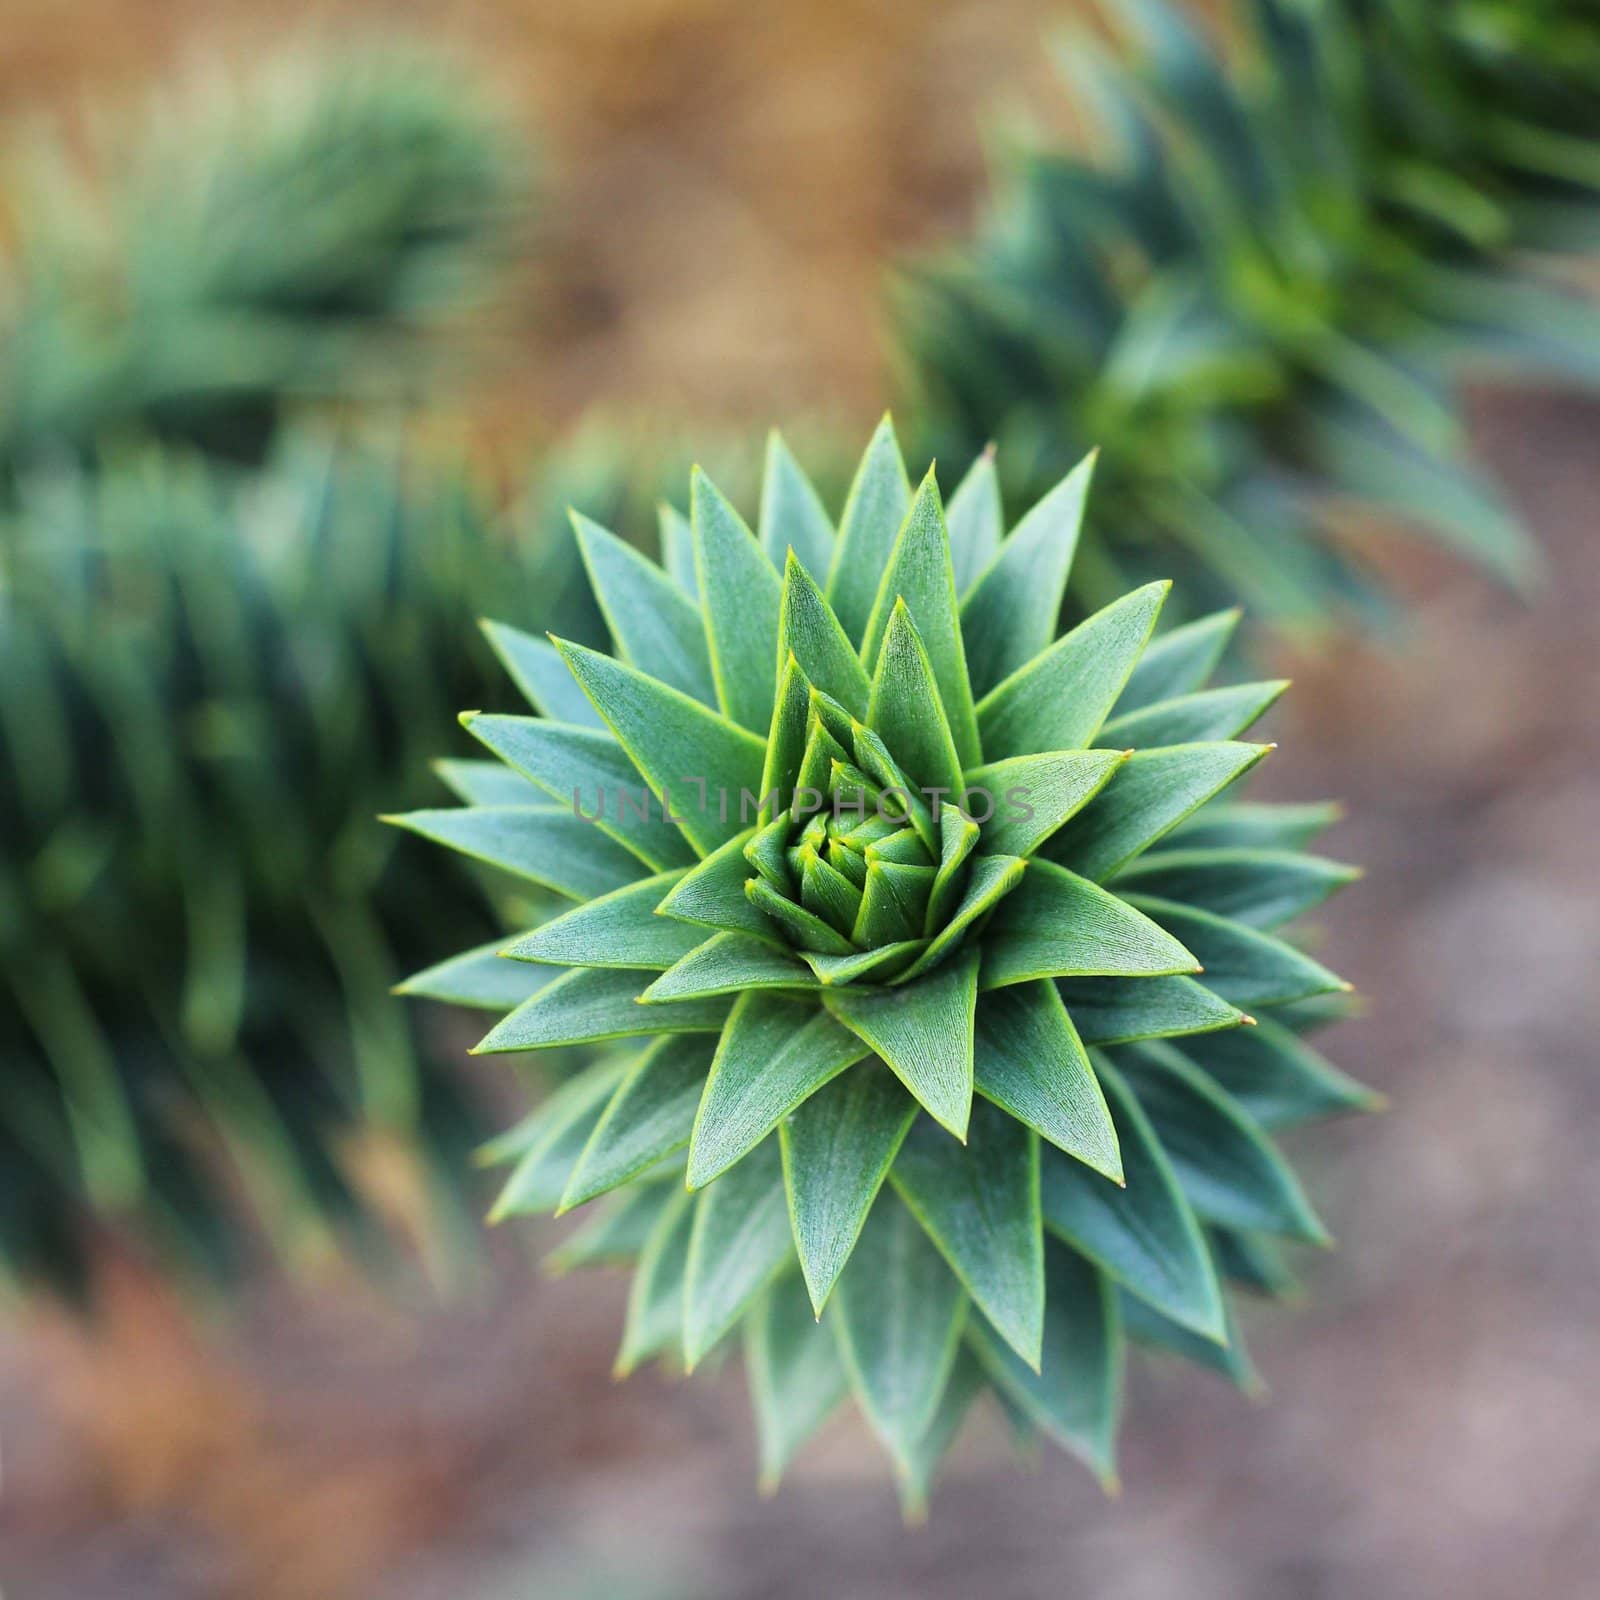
716, 190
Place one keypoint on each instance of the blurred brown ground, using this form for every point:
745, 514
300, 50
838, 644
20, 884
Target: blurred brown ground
725, 180
741, 172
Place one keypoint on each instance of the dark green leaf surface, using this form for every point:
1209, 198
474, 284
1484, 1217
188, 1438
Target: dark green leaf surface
1059, 699
620, 929
656, 627
560, 1133
1056, 924
739, 1244
1227, 1169
792, 514
1029, 1061
1275, 1077
1031, 796
980, 1205
898, 1313
1243, 965
1010, 615
1114, 1010
879, 498
739, 591
1259, 888
1147, 796
1076, 1393
545, 844
774, 1053
656, 1295
590, 774
920, 578
1144, 1235
1212, 714
796, 1377
480, 978
697, 761
590, 1004
923, 1030
837, 1147
538, 671
650, 1115
1179, 661
729, 963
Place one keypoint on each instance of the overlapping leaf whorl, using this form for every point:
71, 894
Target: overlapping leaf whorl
862, 856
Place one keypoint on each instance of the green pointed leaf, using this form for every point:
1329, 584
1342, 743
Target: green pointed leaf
656, 1297
620, 929
803, 928
1076, 1394
650, 1115
837, 1149
906, 708
1056, 924
792, 514
1033, 795
677, 549
980, 1205
919, 574
546, 844
541, 675
592, 776
1244, 966
481, 978
1116, 1010
488, 783
880, 966
1228, 1171
1030, 1062
1255, 826
1145, 1325
992, 878
617, 1232
1179, 661
739, 1245
1144, 1235
1011, 614
923, 1030
796, 1377
656, 627
773, 1054
898, 1313
976, 521
1254, 1262
921, 1464
712, 894
1148, 795
740, 593
594, 1003
1192, 718
561, 1128
1277, 1079
786, 742
729, 963
1058, 700
879, 498
1260, 888
958, 838
808, 629
700, 763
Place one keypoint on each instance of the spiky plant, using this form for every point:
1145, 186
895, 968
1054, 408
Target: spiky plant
937, 944
208, 689
282, 234
1262, 294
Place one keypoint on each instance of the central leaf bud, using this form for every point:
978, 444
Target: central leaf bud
854, 864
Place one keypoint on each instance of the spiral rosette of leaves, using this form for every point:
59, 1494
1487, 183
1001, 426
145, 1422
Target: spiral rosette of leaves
953, 974
1262, 288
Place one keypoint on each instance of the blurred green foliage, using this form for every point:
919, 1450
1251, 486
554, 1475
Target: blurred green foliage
1262, 293
210, 685
259, 238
